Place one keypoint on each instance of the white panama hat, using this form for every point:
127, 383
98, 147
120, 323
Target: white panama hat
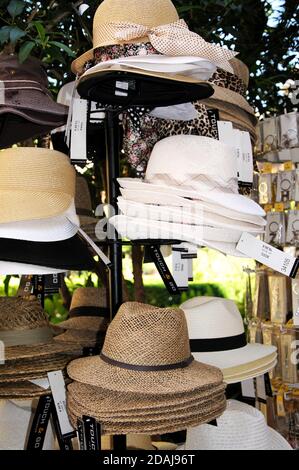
61, 227
198, 168
241, 427
222, 240
163, 199
217, 337
183, 215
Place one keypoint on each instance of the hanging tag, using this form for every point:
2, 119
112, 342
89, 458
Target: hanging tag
92, 433
261, 389
68, 129
214, 118
226, 132
79, 131
39, 289
180, 269
96, 113
64, 442
26, 286
57, 385
40, 423
268, 255
52, 283
246, 160
163, 269
190, 256
2, 93
80, 428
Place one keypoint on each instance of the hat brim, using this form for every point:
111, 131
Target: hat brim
21, 390
162, 198
40, 351
231, 97
94, 371
278, 442
231, 201
8, 268
251, 374
84, 324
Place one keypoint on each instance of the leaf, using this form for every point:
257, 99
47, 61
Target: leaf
4, 34
63, 47
41, 30
15, 8
16, 33
25, 50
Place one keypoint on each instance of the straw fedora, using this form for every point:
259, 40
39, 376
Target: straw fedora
27, 109
86, 331
217, 337
35, 183
162, 365
188, 166
241, 427
154, 21
21, 390
90, 302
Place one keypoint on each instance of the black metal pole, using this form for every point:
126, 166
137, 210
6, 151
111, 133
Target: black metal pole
113, 171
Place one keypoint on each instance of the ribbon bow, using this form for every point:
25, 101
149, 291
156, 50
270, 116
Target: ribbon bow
175, 39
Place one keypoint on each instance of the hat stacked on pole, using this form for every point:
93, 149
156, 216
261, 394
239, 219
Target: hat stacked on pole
145, 379
190, 193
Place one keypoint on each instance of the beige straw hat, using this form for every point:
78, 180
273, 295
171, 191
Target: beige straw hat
86, 331
35, 183
90, 302
146, 351
20, 390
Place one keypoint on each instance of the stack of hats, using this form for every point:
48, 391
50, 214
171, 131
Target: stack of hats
144, 54
38, 221
29, 350
84, 331
27, 109
145, 380
241, 427
89, 301
218, 338
190, 193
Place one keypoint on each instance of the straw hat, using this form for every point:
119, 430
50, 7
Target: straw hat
217, 337
35, 183
20, 390
90, 302
28, 339
87, 331
27, 109
152, 357
173, 168
241, 427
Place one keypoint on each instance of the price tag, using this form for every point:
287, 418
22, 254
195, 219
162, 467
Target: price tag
157, 257
279, 207
39, 424
261, 389
268, 255
59, 395
79, 131
248, 388
267, 168
180, 269
288, 166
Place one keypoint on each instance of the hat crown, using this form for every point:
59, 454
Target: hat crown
145, 335
31, 69
89, 297
186, 160
212, 317
150, 13
17, 313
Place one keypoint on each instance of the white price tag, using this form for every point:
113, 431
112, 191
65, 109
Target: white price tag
248, 388
237, 139
180, 269
280, 261
79, 130
42, 383
226, 132
261, 388
59, 395
246, 161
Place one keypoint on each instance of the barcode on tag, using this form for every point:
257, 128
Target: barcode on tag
268, 255
59, 395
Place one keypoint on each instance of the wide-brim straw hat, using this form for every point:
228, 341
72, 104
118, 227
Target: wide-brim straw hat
27, 109
86, 331
163, 363
241, 427
89, 302
35, 183
217, 337
21, 390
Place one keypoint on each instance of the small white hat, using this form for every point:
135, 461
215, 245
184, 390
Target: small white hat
195, 167
241, 427
217, 337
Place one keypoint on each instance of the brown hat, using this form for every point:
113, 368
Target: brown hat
90, 302
86, 331
27, 109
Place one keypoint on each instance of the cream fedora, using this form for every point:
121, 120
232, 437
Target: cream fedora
152, 21
217, 337
241, 427
189, 166
35, 183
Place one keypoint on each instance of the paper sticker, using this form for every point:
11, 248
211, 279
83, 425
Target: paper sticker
57, 385
268, 255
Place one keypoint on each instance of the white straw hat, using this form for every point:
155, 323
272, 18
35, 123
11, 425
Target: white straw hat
195, 167
57, 228
10, 268
217, 337
241, 427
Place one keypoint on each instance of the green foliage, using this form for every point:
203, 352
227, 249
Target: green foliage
15, 8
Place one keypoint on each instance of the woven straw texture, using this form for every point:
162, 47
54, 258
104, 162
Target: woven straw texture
84, 339
89, 297
20, 314
41, 350
146, 336
83, 201
21, 390
35, 183
123, 403
85, 324
35, 365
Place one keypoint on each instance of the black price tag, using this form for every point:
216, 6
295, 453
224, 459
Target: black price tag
65, 442
80, 427
92, 433
157, 258
214, 117
52, 283
40, 423
39, 289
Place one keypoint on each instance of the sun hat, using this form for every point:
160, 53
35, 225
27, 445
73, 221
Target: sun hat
241, 427
21, 390
155, 21
146, 229
162, 365
184, 215
90, 302
217, 337
68, 255
35, 183
27, 109
164, 199
86, 331
57, 228
7, 268
188, 166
